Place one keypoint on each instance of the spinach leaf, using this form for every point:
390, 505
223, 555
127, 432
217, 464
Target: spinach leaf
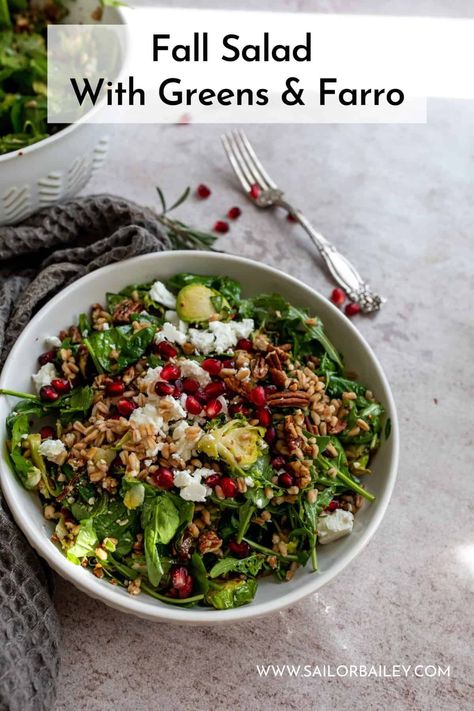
114, 520
160, 521
130, 345
246, 512
249, 566
231, 593
76, 405
200, 573
84, 325
85, 543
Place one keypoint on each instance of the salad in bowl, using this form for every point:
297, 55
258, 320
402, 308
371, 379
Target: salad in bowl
187, 442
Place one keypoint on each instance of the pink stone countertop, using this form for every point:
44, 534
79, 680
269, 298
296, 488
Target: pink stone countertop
398, 199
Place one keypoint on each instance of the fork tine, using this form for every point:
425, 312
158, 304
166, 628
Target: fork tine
235, 161
258, 168
246, 159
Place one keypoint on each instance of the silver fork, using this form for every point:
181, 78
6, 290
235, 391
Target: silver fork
263, 192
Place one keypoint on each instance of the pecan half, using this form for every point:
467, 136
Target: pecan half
235, 385
125, 309
297, 398
278, 377
209, 542
259, 368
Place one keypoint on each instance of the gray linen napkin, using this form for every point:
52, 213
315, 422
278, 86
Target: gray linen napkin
38, 258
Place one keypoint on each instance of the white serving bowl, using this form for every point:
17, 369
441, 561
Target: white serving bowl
255, 278
58, 167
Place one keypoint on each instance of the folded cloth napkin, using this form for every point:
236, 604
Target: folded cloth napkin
39, 257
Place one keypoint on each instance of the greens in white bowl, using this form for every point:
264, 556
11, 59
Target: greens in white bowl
219, 524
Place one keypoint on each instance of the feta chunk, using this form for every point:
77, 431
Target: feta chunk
186, 437
192, 369
203, 341
147, 415
53, 450
162, 295
244, 328
335, 525
44, 376
148, 379
170, 333
52, 342
224, 336
191, 488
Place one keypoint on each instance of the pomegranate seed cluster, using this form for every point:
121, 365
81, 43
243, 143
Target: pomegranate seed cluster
185, 441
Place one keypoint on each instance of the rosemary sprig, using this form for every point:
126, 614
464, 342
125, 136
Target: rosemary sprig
183, 236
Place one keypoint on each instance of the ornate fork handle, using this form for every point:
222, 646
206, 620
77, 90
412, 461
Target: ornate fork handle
339, 266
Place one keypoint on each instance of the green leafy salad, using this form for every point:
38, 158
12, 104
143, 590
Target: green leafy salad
23, 69
185, 441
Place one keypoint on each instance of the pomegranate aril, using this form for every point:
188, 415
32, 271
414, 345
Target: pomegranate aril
201, 396
333, 505
241, 550
228, 486
213, 408
244, 344
257, 396
192, 405
126, 407
202, 191
170, 372
163, 478
255, 191
115, 388
213, 390
212, 480
352, 309
181, 581
238, 408
264, 416
47, 357
61, 385
291, 217
338, 296
48, 393
234, 213
270, 435
164, 388
278, 463
228, 363
190, 386
211, 366
165, 350
286, 480
47, 431
221, 226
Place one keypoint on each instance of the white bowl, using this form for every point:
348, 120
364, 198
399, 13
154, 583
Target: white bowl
61, 311
58, 167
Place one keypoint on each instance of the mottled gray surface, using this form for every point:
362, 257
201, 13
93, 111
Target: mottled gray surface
398, 199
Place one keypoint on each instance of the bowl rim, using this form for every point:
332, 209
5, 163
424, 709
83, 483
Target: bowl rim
169, 613
69, 128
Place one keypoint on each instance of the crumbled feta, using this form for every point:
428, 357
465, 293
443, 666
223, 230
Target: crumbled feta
203, 341
192, 369
173, 318
170, 333
147, 415
170, 409
220, 336
186, 437
191, 488
44, 376
335, 525
249, 481
52, 449
148, 379
162, 295
52, 342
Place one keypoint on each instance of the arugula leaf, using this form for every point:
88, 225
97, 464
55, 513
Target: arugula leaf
249, 566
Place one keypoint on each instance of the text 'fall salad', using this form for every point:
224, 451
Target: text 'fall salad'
187, 441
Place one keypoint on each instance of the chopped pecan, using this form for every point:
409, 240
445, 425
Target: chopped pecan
259, 368
261, 342
209, 542
297, 398
283, 351
82, 359
338, 427
278, 377
235, 385
125, 309
185, 548
273, 360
